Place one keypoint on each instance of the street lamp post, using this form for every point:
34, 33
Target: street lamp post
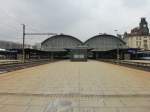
118, 47
118, 53
116, 32
23, 46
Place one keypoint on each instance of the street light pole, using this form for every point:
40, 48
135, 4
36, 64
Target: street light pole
116, 32
118, 55
23, 45
118, 47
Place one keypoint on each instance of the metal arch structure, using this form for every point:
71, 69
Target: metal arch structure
100, 46
60, 43
104, 42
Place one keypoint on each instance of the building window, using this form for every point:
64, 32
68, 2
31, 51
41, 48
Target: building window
145, 45
140, 44
137, 43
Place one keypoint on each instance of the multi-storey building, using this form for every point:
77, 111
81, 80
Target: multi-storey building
139, 37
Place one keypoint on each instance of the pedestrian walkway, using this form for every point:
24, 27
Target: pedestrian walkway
66, 86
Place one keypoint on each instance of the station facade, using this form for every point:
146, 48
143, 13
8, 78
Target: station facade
99, 46
62, 46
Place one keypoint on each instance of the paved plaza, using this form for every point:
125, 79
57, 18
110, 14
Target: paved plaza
66, 86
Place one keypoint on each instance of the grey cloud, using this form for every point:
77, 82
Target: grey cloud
80, 18
135, 3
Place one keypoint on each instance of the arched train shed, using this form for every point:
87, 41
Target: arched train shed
102, 46
104, 42
60, 43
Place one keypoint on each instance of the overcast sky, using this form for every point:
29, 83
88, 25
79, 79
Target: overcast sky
80, 18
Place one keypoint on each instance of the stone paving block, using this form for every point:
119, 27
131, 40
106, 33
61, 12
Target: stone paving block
112, 83
92, 102
113, 102
124, 91
60, 106
36, 109
136, 102
107, 110
2, 98
17, 100
99, 109
1, 106
40, 101
13, 108
134, 109
110, 92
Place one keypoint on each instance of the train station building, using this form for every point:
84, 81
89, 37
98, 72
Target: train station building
101, 46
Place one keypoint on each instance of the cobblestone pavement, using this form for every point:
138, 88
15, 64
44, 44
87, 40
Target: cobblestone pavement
75, 87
